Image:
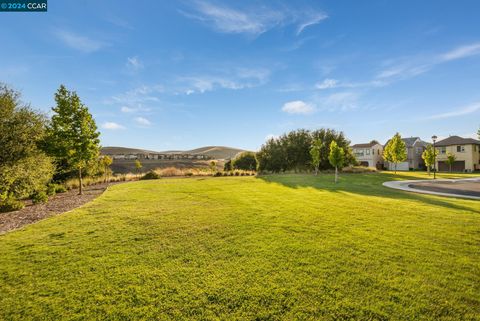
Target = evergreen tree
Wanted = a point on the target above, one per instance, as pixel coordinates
(396, 151)
(336, 157)
(245, 161)
(72, 135)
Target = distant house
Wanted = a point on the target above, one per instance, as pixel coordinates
(369, 155)
(466, 151)
(415, 147)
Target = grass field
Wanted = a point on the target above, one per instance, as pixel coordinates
(288, 247)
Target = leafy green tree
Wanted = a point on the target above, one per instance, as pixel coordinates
(24, 168)
(106, 161)
(429, 155)
(336, 157)
(396, 151)
(227, 167)
(245, 161)
(213, 166)
(73, 139)
(315, 154)
(138, 166)
(327, 136)
(272, 157)
(451, 158)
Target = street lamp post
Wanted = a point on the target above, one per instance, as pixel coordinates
(434, 138)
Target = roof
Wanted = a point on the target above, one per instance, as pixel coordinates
(410, 141)
(367, 145)
(457, 140)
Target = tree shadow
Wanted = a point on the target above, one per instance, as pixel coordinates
(368, 184)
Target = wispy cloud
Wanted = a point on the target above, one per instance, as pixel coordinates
(298, 107)
(112, 126)
(237, 79)
(327, 84)
(462, 52)
(137, 95)
(458, 112)
(313, 19)
(252, 21)
(142, 121)
(134, 64)
(79, 42)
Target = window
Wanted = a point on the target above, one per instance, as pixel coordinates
(442, 150)
(461, 149)
(368, 151)
(358, 152)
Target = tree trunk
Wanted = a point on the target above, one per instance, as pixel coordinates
(395, 168)
(316, 171)
(80, 181)
(336, 174)
(428, 170)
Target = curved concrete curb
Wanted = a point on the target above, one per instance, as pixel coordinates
(405, 186)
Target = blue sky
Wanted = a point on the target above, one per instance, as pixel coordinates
(182, 74)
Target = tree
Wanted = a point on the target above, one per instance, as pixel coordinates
(227, 167)
(336, 157)
(315, 154)
(72, 136)
(24, 168)
(429, 155)
(245, 161)
(138, 166)
(478, 133)
(395, 151)
(213, 166)
(451, 158)
(106, 161)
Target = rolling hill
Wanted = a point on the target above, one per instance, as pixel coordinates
(215, 152)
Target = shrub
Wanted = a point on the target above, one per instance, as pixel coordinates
(359, 169)
(51, 189)
(188, 174)
(237, 173)
(170, 171)
(39, 197)
(10, 204)
(225, 173)
(217, 174)
(150, 175)
(60, 189)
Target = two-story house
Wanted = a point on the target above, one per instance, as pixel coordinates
(466, 151)
(415, 147)
(369, 154)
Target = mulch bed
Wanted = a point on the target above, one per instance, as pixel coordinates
(57, 204)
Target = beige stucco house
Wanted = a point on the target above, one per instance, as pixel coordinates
(369, 154)
(415, 147)
(466, 151)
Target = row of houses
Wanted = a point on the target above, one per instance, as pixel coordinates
(466, 151)
(143, 156)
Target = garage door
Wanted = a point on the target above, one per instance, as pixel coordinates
(364, 164)
(458, 166)
(400, 166)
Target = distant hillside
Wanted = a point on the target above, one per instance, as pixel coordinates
(109, 150)
(216, 152)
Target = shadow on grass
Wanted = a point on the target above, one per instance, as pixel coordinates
(369, 184)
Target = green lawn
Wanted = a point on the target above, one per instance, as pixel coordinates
(288, 247)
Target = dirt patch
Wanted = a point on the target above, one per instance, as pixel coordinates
(57, 204)
(470, 188)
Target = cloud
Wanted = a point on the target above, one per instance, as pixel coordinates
(458, 112)
(314, 19)
(79, 42)
(270, 136)
(340, 101)
(137, 95)
(237, 79)
(298, 107)
(142, 121)
(112, 126)
(461, 52)
(253, 21)
(327, 83)
(134, 64)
